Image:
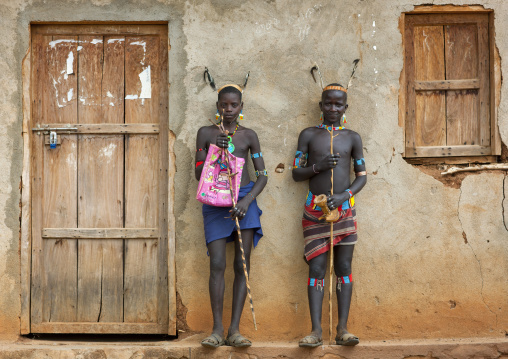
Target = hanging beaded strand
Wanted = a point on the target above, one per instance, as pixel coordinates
(231, 146)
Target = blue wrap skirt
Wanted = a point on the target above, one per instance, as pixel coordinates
(217, 226)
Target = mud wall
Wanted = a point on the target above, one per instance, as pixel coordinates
(431, 259)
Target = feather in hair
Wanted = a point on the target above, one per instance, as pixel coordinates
(355, 65)
(210, 78)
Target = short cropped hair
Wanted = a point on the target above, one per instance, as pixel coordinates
(229, 89)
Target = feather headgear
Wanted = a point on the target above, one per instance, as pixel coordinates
(212, 82)
(338, 88)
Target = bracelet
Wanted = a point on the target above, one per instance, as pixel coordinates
(350, 192)
(199, 163)
(263, 172)
(314, 169)
(252, 196)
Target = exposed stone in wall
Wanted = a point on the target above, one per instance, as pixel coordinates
(181, 313)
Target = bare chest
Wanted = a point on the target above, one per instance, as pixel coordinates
(238, 143)
(319, 146)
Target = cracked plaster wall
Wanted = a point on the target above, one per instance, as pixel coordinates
(414, 274)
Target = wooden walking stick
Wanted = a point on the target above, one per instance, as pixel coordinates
(330, 295)
(331, 217)
(244, 263)
(238, 231)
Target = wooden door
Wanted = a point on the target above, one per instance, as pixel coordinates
(99, 167)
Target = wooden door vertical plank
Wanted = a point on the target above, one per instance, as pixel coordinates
(165, 295)
(39, 77)
(113, 79)
(141, 180)
(60, 184)
(461, 49)
(60, 104)
(113, 112)
(100, 186)
(484, 123)
(90, 200)
(59, 211)
(90, 256)
(430, 114)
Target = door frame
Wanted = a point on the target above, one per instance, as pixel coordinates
(167, 163)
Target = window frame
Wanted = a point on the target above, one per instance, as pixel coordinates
(447, 154)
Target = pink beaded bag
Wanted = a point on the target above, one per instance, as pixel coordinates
(213, 188)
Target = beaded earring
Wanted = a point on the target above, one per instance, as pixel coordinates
(217, 116)
(241, 115)
(344, 118)
(321, 117)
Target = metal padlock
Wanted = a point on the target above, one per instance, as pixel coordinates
(53, 139)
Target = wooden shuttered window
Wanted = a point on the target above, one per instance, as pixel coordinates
(449, 79)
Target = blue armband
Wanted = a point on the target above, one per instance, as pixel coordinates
(300, 159)
(256, 155)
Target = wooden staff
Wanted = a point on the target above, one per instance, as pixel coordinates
(244, 263)
(331, 249)
(238, 231)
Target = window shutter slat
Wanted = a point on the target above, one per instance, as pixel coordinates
(430, 120)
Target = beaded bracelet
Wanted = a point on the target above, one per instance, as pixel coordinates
(350, 192)
(252, 196)
(263, 172)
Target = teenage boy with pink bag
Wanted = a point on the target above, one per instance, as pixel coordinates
(219, 219)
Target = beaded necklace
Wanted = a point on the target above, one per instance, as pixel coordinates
(231, 146)
(329, 128)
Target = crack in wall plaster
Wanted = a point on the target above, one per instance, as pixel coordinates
(386, 163)
(475, 256)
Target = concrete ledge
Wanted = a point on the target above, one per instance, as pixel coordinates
(191, 349)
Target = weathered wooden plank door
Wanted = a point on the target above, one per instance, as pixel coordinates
(100, 179)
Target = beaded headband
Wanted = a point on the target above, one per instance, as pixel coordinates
(230, 85)
(338, 88)
(212, 82)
